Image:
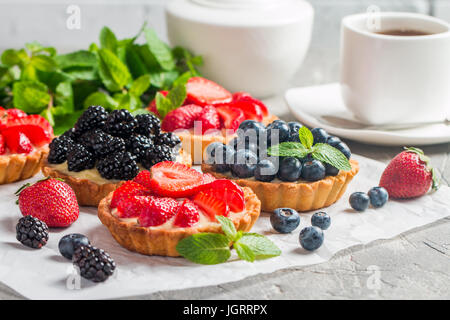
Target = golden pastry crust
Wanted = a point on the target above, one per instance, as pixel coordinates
(88, 192)
(301, 196)
(163, 242)
(16, 167)
(196, 144)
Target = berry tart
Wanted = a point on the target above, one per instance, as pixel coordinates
(23, 144)
(152, 213)
(105, 148)
(285, 164)
(217, 110)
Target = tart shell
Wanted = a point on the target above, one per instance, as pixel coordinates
(163, 242)
(191, 142)
(301, 196)
(88, 192)
(16, 167)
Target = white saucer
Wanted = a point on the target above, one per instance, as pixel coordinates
(322, 106)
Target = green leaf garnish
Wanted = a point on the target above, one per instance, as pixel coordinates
(173, 100)
(328, 154)
(260, 245)
(227, 227)
(306, 137)
(288, 149)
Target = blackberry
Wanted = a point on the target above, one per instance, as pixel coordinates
(168, 139)
(148, 124)
(94, 263)
(103, 144)
(119, 166)
(157, 154)
(79, 158)
(71, 133)
(85, 138)
(121, 123)
(137, 145)
(93, 118)
(59, 147)
(32, 232)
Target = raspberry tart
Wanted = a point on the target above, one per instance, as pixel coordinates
(215, 112)
(152, 213)
(285, 164)
(105, 148)
(23, 144)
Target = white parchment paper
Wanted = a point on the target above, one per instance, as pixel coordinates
(45, 274)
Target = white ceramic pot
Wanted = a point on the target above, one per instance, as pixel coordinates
(247, 45)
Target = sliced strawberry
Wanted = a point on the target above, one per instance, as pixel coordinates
(187, 214)
(2, 144)
(209, 118)
(152, 104)
(37, 128)
(129, 188)
(204, 92)
(33, 119)
(223, 184)
(241, 94)
(261, 105)
(173, 179)
(231, 117)
(181, 118)
(227, 191)
(15, 114)
(17, 141)
(158, 211)
(208, 178)
(251, 110)
(211, 205)
(133, 206)
(143, 178)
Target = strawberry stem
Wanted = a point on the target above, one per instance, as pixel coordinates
(427, 162)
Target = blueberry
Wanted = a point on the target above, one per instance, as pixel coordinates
(359, 201)
(321, 219)
(290, 169)
(313, 170)
(285, 220)
(220, 156)
(378, 196)
(311, 238)
(333, 141)
(342, 147)
(294, 127)
(265, 171)
(70, 242)
(277, 132)
(211, 151)
(245, 142)
(330, 170)
(244, 163)
(320, 135)
(247, 125)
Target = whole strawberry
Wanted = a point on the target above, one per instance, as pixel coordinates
(408, 175)
(50, 200)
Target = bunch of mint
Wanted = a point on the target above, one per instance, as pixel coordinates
(214, 248)
(319, 151)
(115, 74)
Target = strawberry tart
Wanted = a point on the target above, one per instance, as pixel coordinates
(158, 208)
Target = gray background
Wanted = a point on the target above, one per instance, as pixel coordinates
(414, 265)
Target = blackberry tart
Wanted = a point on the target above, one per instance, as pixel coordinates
(104, 148)
(285, 164)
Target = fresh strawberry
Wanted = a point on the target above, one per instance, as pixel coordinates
(240, 94)
(207, 178)
(2, 144)
(15, 114)
(231, 117)
(181, 118)
(209, 119)
(35, 127)
(223, 184)
(17, 141)
(152, 104)
(261, 105)
(143, 178)
(212, 206)
(35, 120)
(251, 110)
(187, 214)
(227, 191)
(408, 175)
(129, 188)
(205, 92)
(132, 206)
(50, 200)
(158, 211)
(173, 179)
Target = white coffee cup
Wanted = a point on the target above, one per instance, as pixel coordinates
(395, 78)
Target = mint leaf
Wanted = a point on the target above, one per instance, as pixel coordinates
(261, 246)
(81, 58)
(306, 137)
(227, 227)
(328, 154)
(160, 50)
(30, 96)
(11, 57)
(173, 100)
(182, 79)
(288, 149)
(29, 73)
(134, 61)
(163, 80)
(244, 252)
(100, 99)
(128, 101)
(140, 85)
(205, 248)
(63, 99)
(113, 72)
(43, 63)
(108, 40)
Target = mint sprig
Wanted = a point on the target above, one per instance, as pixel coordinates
(214, 248)
(173, 100)
(319, 151)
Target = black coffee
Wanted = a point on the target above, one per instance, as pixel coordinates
(404, 32)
